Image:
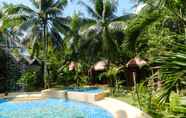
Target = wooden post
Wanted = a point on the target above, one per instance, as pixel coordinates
(136, 89)
(134, 78)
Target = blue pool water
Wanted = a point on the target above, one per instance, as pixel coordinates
(86, 90)
(51, 108)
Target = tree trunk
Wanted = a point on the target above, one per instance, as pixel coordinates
(45, 72)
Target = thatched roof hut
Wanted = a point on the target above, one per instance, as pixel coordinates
(101, 65)
(72, 66)
(136, 62)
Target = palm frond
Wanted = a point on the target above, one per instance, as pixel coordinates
(60, 4)
(110, 7)
(26, 25)
(35, 3)
(90, 10)
(56, 39)
(173, 66)
(124, 17)
(117, 26)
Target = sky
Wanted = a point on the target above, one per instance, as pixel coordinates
(125, 6)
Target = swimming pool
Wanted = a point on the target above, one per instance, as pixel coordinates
(51, 108)
(86, 89)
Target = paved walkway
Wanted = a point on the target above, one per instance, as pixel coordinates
(120, 109)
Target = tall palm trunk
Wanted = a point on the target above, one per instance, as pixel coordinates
(45, 72)
(108, 43)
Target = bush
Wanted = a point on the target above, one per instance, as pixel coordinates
(28, 81)
(77, 77)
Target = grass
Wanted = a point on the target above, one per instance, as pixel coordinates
(128, 98)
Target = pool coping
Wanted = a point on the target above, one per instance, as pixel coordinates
(120, 109)
(117, 108)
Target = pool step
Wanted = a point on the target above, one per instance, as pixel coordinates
(26, 99)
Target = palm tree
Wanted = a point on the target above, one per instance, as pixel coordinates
(41, 22)
(177, 7)
(100, 34)
(72, 36)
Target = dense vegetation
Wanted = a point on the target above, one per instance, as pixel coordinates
(62, 51)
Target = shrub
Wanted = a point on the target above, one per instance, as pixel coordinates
(28, 81)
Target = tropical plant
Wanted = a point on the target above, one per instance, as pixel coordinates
(112, 74)
(173, 68)
(101, 30)
(72, 37)
(176, 7)
(166, 29)
(42, 22)
(155, 27)
(150, 102)
(139, 32)
(28, 81)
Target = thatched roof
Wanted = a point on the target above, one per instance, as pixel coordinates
(136, 62)
(101, 65)
(72, 66)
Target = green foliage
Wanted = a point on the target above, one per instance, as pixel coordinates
(149, 98)
(65, 77)
(176, 106)
(157, 27)
(156, 32)
(173, 69)
(136, 28)
(99, 38)
(43, 23)
(77, 77)
(115, 81)
(28, 81)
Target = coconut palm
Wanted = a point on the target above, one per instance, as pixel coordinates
(99, 36)
(42, 21)
(72, 37)
(177, 7)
